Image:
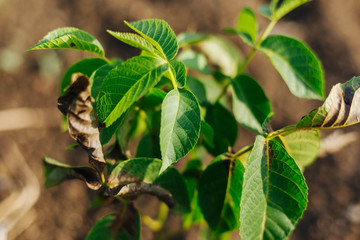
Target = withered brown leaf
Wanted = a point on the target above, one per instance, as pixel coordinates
(81, 118)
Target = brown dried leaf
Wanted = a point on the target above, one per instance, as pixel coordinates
(81, 118)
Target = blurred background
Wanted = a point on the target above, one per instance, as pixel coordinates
(30, 121)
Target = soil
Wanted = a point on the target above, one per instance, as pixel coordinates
(31, 79)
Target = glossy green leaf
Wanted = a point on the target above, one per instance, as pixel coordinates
(246, 26)
(180, 125)
(188, 38)
(174, 182)
(220, 188)
(70, 37)
(297, 64)
(250, 104)
(134, 40)
(56, 172)
(280, 8)
(195, 61)
(125, 84)
(159, 34)
(225, 128)
(340, 109)
(85, 66)
(303, 145)
(133, 170)
(179, 71)
(124, 224)
(274, 193)
(223, 54)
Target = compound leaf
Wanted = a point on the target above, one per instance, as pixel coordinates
(340, 109)
(159, 34)
(124, 224)
(125, 84)
(250, 104)
(274, 193)
(180, 125)
(220, 188)
(56, 172)
(70, 37)
(297, 64)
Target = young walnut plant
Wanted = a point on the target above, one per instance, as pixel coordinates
(259, 190)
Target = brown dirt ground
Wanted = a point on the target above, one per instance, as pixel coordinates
(30, 79)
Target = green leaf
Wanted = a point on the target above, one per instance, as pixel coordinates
(340, 109)
(135, 40)
(220, 188)
(195, 61)
(280, 8)
(297, 64)
(134, 170)
(246, 26)
(149, 146)
(179, 72)
(106, 133)
(198, 89)
(70, 37)
(223, 54)
(303, 145)
(125, 84)
(180, 125)
(174, 182)
(265, 10)
(250, 104)
(188, 38)
(121, 225)
(56, 172)
(85, 66)
(159, 34)
(207, 133)
(97, 79)
(274, 193)
(225, 128)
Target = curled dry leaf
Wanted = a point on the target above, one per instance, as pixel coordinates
(341, 108)
(81, 118)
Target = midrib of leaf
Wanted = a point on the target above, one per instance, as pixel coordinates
(174, 123)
